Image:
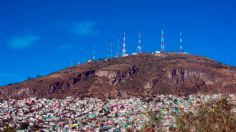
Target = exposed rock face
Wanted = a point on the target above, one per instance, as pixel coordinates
(138, 75)
(116, 73)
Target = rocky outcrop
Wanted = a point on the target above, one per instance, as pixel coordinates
(137, 75)
(117, 73)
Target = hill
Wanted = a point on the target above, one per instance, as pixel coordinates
(136, 75)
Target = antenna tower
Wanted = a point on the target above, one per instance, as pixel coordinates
(124, 46)
(162, 41)
(139, 48)
(181, 43)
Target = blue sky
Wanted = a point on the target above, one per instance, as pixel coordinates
(38, 37)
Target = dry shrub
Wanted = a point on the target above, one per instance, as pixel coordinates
(9, 129)
(213, 116)
(154, 120)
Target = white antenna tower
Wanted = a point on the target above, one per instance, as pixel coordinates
(124, 46)
(94, 52)
(118, 48)
(139, 48)
(181, 43)
(108, 52)
(162, 41)
(111, 50)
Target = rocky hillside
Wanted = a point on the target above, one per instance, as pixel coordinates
(137, 75)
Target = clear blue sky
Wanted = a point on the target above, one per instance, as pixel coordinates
(38, 37)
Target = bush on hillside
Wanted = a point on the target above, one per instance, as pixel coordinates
(213, 116)
(154, 121)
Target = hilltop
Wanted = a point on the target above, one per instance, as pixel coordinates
(132, 76)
